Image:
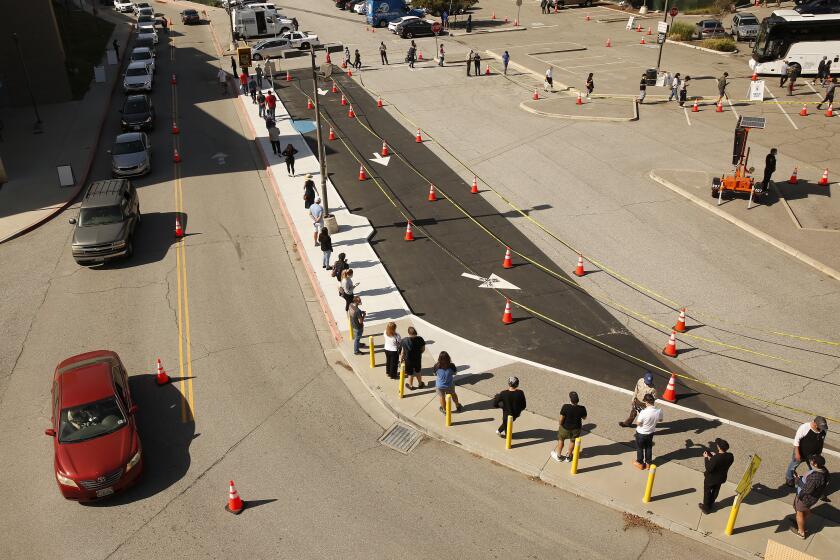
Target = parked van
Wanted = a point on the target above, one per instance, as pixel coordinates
(252, 21)
(382, 12)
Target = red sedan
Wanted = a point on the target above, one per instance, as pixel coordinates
(97, 449)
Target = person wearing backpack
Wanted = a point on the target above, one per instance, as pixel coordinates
(340, 266)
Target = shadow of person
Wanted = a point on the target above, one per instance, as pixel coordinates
(696, 425)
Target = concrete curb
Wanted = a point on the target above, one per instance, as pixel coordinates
(784, 247)
(524, 106)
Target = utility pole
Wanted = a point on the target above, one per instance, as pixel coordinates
(37, 129)
(230, 20)
(321, 155)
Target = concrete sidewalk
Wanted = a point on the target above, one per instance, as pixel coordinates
(484, 369)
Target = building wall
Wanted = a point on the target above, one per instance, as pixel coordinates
(43, 54)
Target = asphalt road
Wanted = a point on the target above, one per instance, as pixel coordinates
(261, 404)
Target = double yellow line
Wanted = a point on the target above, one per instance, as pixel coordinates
(185, 385)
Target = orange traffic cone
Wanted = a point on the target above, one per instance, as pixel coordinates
(536, 95)
(309, 104)
(379, 102)
(350, 113)
(587, 17)
(176, 157)
(328, 60)
(824, 179)
(409, 233)
(794, 178)
(175, 129)
(362, 174)
(830, 111)
(719, 106)
(344, 64)
(474, 188)
(579, 100)
(343, 99)
(288, 76)
(332, 134)
(754, 77)
(695, 108)
(507, 316)
(174, 80)
(650, 31)
(235, 504)
(419, 55)
(384, 149)
(494, 15)
(418, 138)
(432, 193)
(349, 72)
(161, 378)
(639, 28)
(507, 263)
(179, 231)
(609, 43)
(804, 111)
(334, 88)
(671, 349)
(487, 70)
(680, 326)
(642, 42)
(579, 271)
(670, 393)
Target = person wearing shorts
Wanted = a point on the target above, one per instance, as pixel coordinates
(572, 416)
(316, 214)
(445, 381)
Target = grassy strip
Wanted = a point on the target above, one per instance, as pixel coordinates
(85, 38)
(681, 31)
(723, 45)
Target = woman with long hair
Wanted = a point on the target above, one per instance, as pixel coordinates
(445, 381)
(392, 350)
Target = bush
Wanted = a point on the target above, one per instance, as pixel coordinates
(437, 7)
(681, 31)
(723, 45)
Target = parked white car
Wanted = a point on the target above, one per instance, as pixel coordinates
(138, 77)
(392, 25)
(301, 39)
(124, 5)
(270, 48)
(143, 54)
(360, 8)
(147, 33)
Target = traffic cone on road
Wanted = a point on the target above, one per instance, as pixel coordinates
(507, 263)
(794, 178)
(161, 378)
(639, 28)
(609, 43)
(349, 72)
(494, 15)
(804, 111)
(474, 188)
(175, 129)
(362, 174)
(579, 271)
(235, 504)
(288, 76)
(754, 77)
(507, 316)
(671, 348)
(179, 231)
(334, 88)
(409, 233)
(487, 70)
(650, 31)
(432, 193)
(670, 393)
(824, 179)
(176, 157)
(328, 60)
(587, 17)
(344, 64)
(418, 138)
(830, 111)
(536, 95)
(332, 134)
(350, 113)
(719, 106)
(579, 100)
(379, 102)
(419, 55)
(695, 108)
(174, 79)
(384, 149)
(642, 42)
(680, 326)
(343, 100)
(309, 104)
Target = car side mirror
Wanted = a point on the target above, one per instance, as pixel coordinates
(72, 221)
(49, 432)
(133, 409)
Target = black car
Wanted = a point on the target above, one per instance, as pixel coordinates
(137, 113)
(416, 28)
(818, 7)
(190, 17)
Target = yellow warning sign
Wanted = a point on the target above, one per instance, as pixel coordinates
(745, 485)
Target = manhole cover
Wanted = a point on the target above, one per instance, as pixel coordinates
(401, 438)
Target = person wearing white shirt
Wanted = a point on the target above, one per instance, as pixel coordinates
(392, 350)
(645, 426)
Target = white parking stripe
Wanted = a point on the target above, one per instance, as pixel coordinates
(688, 120)
(782, 109)
(732, 107)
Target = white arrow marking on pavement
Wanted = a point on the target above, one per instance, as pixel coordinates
(379, 159)
(492, 282)
(323, 91)
(219, 157)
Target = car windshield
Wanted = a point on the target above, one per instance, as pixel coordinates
(132, 147)
(144, 19)
(141, 71)
(134, 106)
(141, 56)
(748, 21)
(90, 420)
(190, 13)
(100, 216)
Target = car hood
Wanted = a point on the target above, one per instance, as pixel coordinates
(96, 457)
(129, 160)
(134, 80)
(95, 235)
(136, 117)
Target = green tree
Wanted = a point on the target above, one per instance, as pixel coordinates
(437, 7)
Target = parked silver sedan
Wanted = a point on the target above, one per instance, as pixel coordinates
(131, 155)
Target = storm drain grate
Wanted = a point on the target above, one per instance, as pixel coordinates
(401, 438)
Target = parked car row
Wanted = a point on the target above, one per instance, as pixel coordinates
(743, 26)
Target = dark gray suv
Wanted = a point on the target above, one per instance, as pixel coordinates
(108, 216)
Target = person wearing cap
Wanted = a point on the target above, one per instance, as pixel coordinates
(571, 423)
(646, 422)
(512, 401)
(316, 213)
(644, 386)
(809, 440)
(717, 466)
(809, 488)
(308, 190)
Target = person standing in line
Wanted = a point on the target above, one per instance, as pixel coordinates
(268, 72)
(675, 87)
(820, 72)
(469, 61)
(721, 84)
(295, 23)
(827, 72)
(829, 93)
(512, 402)
(347, 288)
(784, 73)
(346, 56)
(116, 46)
(252, 89)
(357, 60)
(444, 19)
(274, 138)
(269, 123)
(717, 466)
(572, 416)
(794, 70)
(325, 241)
(684, 90)
(271, 104)
(769, 168)
(642, 89)
(411, 352)
(308, 191)
(243, 82)
(357, 321)
(289, 155)
(392, 350)
(261, 103)
(590, 85)
(477, 63)
(809, 440)
(469, 23)
(383, 52)
(316, 214)
(549, 80)
(505, 61)
(259, 72)
(809, 488)
(233, 66)
(645, 426)
(441, 54)
(412, 50)
(222, 76)
(340, 266)
(543, 5)
(644, 386)
(445, 381)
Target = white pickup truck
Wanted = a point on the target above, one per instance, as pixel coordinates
(301, 39)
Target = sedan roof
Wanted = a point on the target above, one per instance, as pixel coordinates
(128, 137)
(87, 383)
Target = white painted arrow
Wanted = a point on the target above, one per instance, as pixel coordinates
(323, 91)
(377, 158)
(219, 157)
(492, 282)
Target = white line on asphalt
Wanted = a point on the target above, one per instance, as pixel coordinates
(685, 110)
(594, 65)
(731, 106)
(782, 109)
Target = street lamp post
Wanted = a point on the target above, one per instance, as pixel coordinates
(321, 155)
(37, 129)
(230, 20)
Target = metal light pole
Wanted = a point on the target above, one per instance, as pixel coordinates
(230, 20)
(662, 44)
(321, 155)
(37, 129)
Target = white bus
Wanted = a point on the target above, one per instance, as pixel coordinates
(801, 39)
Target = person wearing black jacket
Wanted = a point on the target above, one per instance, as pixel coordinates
(717, 467)
(512, 402)
(769, 168)
(325, 241)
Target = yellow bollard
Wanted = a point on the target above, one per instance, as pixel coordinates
(350, 324)
(649, 487)
(448, 410)
(402, 380)
(509, 433)
(372, 353)
(575, 455)
(730, 525)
